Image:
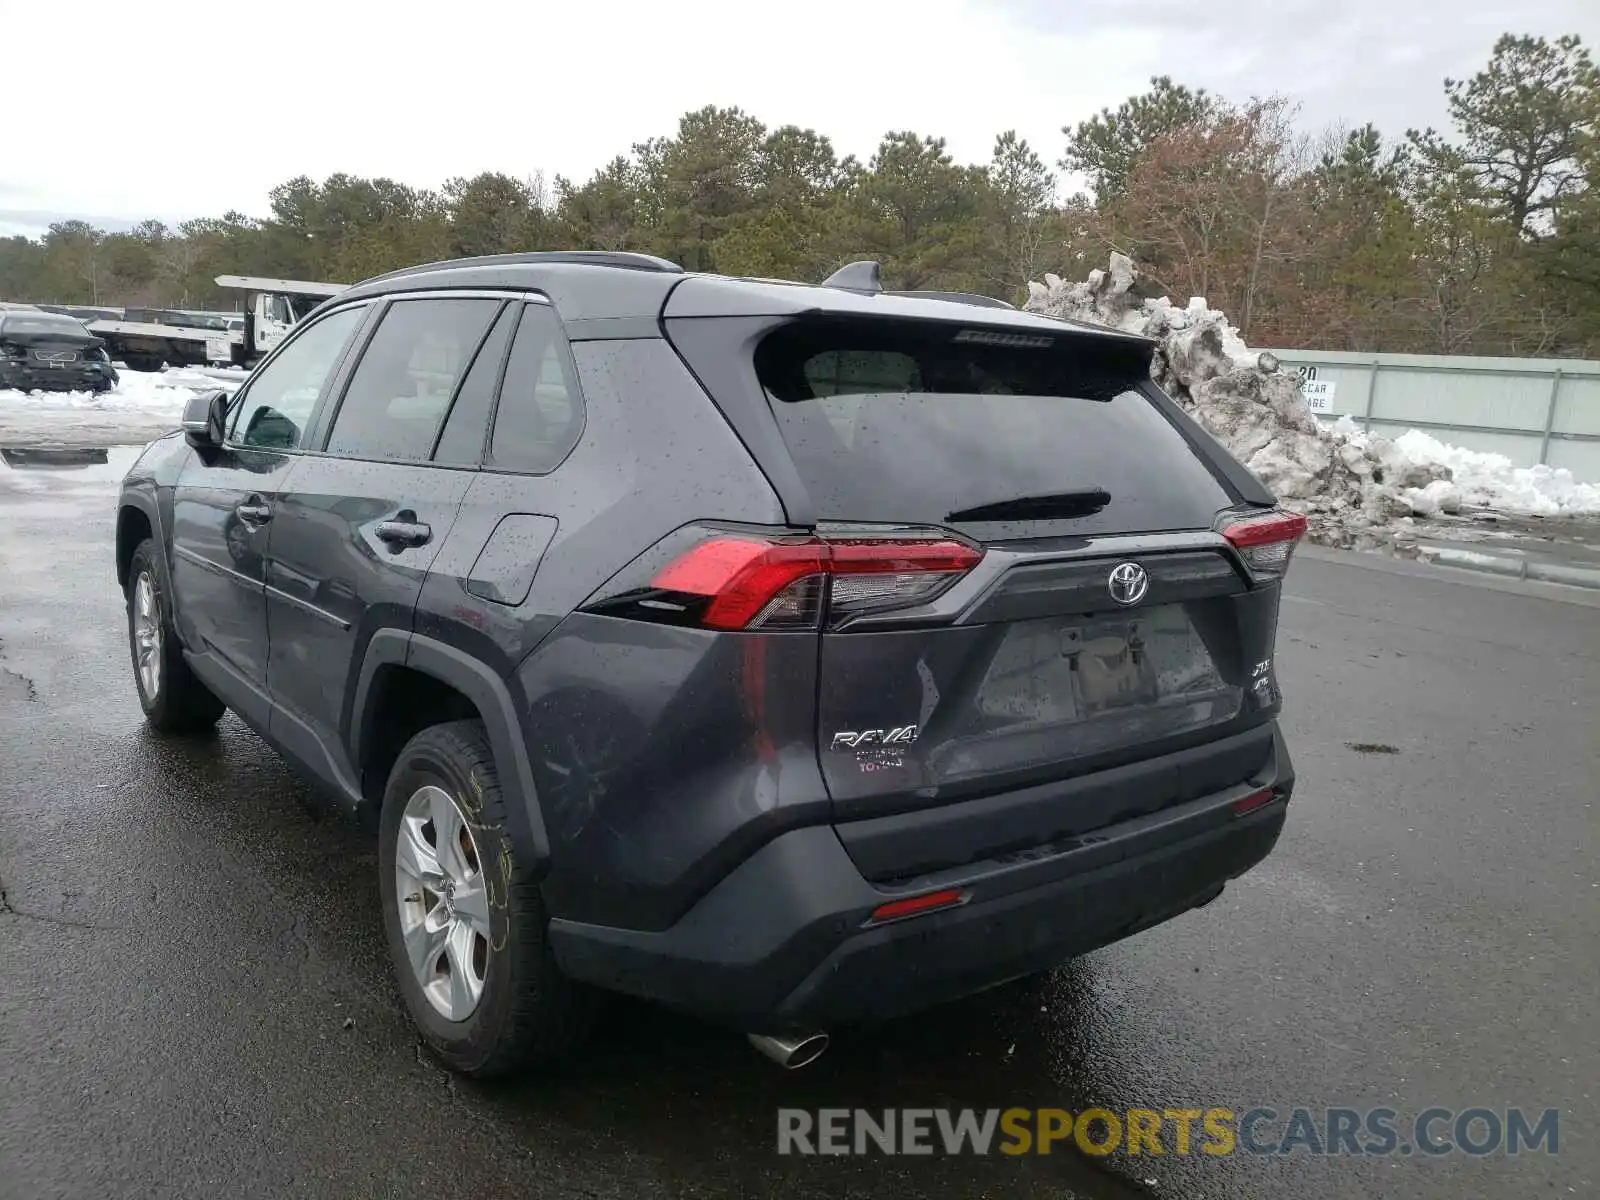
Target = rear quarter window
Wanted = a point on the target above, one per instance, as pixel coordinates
(541, 412)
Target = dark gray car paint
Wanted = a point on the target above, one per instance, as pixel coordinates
(505, 568)
(701, 296)
(332, 581)
(218, 553)
(653, 457)
(643, 762)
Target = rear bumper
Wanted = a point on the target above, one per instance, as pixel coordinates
(782, 942)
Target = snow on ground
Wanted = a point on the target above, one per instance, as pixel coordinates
(163, 392)
(1355, 490)
(143, 405)
(1482, 479)
(1473, 557)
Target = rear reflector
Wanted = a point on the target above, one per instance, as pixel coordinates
(913, 905)
(1255, 800)
(756, 583)
(1266, 541)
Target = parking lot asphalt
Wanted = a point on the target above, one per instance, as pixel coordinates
(194, 999)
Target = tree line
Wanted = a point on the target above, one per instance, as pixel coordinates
(1484, 238)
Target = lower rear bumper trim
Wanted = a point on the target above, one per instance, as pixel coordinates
(783, 942)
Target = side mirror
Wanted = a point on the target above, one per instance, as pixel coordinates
(205, 418)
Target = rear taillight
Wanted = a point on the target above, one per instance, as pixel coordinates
(755, 581)
(1265, 542)
(744, 583)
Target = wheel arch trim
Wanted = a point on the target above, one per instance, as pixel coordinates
(146, 507)
(492, 698)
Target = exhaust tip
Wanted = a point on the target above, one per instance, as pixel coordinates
(791, 1053)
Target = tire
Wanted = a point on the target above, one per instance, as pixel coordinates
(525, 1011)
(173, 699)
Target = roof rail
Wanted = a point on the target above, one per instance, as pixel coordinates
(860, 276)
(592, 258)
(956, 297)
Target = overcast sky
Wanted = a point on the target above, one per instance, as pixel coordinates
(180, 109)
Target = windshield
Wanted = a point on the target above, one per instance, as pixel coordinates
(915, 424)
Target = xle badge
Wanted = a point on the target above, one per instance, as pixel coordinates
(876, 749)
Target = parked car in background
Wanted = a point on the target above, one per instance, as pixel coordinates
(788, 654)
(50, 351)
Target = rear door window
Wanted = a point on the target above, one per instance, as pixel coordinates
(466, 429)
(934, 424)
(398, 395)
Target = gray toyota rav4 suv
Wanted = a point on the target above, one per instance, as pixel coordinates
(792, 655)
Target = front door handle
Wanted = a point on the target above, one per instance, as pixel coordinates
(400, 534)
(254, 511)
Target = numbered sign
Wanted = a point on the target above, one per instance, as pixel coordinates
(1318, 393)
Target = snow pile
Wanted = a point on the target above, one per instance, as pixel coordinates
(163, 393)
(1488, 480)
(1354, 490)
(143, 405)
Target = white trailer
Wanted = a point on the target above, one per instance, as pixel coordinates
(270, 308)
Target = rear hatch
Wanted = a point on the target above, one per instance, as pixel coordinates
(1026, 584)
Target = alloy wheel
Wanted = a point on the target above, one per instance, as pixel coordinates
(147, 634)
(444, 902)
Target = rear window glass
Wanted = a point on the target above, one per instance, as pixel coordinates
(40, 323)
(939, 424)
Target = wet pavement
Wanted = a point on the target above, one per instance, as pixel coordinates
(1553, 549)
(194, 999)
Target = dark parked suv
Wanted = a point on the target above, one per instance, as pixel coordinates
(792, 655)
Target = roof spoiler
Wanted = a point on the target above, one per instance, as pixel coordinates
(957, 298)
(866, 278)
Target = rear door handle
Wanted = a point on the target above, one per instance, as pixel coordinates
(399, 534)
(254, 511)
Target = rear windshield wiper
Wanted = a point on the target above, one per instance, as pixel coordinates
(1083, 502)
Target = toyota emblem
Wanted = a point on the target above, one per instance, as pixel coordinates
(1128, 583)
